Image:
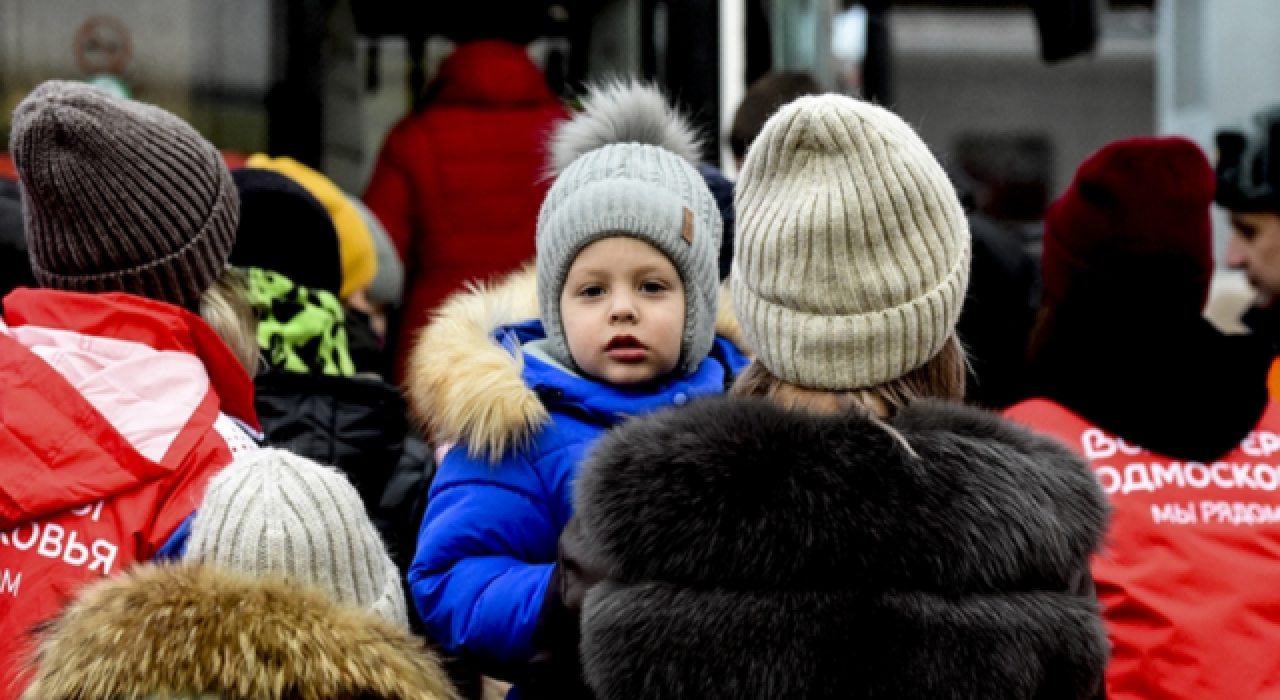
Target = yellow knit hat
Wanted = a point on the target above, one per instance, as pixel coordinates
(359, 257)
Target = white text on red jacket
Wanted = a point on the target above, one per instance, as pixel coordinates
(1126, 469)
(57, 541)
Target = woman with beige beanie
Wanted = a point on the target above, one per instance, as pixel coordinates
(843, 527)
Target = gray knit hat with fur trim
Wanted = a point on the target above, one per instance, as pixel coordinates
(273, 512)
(627, 166)
(120, 196)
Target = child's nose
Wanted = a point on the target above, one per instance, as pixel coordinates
(623, 309)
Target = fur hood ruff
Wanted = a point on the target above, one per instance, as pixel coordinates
(464, 387)
(195, 631)
(752, 551)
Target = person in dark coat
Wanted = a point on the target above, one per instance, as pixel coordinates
(1174, 418)
(999, 312)
(999, 308)
(841, 526)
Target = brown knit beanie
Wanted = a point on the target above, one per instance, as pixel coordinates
(120, 196)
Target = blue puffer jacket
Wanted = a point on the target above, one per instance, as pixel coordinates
(488, 542)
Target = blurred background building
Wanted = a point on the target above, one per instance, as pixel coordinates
(1014, 95)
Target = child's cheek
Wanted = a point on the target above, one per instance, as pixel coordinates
(579, 330)
(673, 327)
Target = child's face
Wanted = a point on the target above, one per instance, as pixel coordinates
(623, 311)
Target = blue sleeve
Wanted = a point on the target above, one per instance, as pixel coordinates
(485, 555)
(176, 546)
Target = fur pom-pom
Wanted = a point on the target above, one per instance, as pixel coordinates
(621, 111)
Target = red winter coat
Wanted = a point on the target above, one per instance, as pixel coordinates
(458, 185)
(115, 412)
(1189, 575)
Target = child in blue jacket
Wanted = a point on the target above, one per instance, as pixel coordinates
(624, 322)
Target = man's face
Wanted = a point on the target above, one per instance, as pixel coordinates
(1255, 248)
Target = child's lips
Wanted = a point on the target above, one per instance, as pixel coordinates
(628, 355)
(626, 349)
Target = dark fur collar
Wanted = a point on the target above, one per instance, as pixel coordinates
(743, 494)
(758, 552)
(189, 631)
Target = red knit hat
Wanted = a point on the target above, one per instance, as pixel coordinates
(1134, 223)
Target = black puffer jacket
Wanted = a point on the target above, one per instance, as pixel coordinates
(749, 551)
(359, 426)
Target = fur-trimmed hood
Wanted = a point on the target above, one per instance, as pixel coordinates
(196, 631)
(465, 387)
(757, 552)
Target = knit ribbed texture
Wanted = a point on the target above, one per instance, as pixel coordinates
(120, 196)
(641, 191)
(273, 512)
(852, 255)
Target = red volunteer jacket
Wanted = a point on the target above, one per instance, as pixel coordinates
(458, 185)
(1189, 577)
(114, 414)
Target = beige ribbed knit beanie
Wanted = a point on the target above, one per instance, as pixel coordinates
(852, 254)
(273, 512)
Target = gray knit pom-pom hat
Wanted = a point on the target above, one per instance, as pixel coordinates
(273, 512)
(852, 252)
(120, 196)
(626, 166)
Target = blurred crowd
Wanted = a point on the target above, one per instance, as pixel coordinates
(556, 410)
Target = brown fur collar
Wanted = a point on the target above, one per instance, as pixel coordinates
(463, 387)
(190, 630)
